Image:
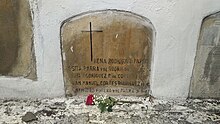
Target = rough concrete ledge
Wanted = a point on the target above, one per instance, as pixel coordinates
(74, 111)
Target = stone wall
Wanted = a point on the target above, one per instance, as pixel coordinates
(177, 25)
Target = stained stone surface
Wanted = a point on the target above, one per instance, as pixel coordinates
(206, 73)
(107, 52)
(74, 111)
(16, 51)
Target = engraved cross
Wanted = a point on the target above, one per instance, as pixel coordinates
(91, 38)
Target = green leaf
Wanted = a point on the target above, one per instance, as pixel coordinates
(109, 109)
(102, 106)
(106, 104)
(107, 101)
(112, 99)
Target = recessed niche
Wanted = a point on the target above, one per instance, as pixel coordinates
(16, 44)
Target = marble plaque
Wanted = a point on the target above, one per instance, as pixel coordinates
(206, 74)
(107, 52)
(16, 45)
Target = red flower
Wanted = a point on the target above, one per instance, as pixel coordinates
(89, 100)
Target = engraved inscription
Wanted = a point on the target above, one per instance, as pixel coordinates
(107, 52)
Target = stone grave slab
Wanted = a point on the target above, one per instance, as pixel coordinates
(16, 44)
(206, 74)
(107, 52)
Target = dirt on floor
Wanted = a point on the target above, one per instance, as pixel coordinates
(136, 111)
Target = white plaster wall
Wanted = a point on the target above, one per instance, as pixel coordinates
(177, 23)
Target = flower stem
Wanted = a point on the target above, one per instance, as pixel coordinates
(131, 102)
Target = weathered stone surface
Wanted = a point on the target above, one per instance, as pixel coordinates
(16, 51)
(28, 117)
(178, 112)
(206, 74)
(114, 58)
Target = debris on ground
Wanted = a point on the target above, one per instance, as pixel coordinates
(138, 111)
